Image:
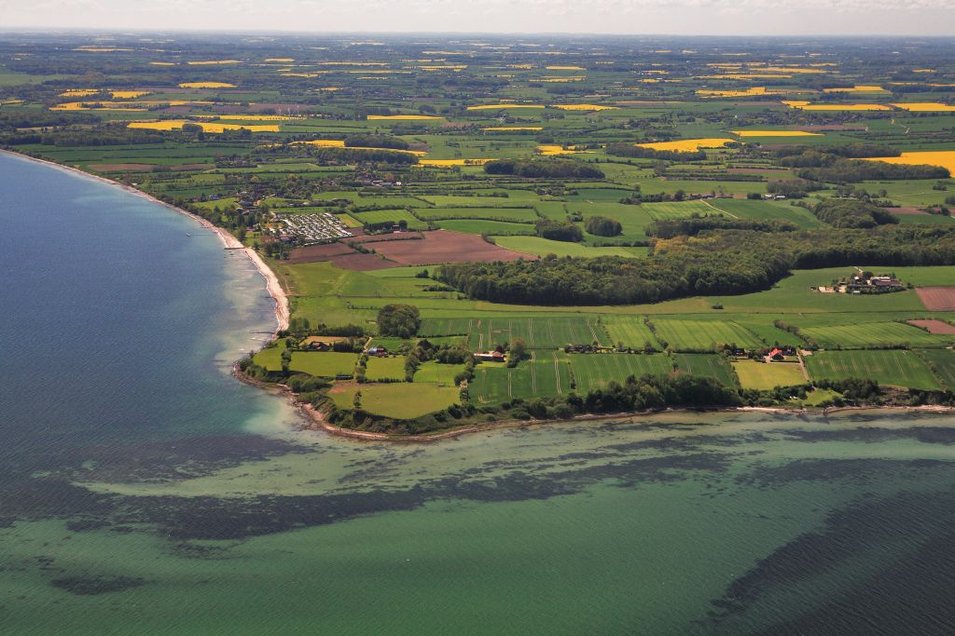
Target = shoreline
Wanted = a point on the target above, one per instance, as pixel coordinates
(272, 285)
(316, 421)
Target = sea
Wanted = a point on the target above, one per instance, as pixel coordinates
(143, 490)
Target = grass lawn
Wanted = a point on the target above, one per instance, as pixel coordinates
(398, 400)
(765, 376)
(385, 369)
(270, 358)
(324, 364)
(436, 373)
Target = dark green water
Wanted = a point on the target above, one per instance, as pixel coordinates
(142, 490)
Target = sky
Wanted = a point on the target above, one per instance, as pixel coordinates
(637, 17)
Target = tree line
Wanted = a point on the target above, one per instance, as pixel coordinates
(711, 263)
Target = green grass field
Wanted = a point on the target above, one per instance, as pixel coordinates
(706, 365)
(547, 374)
(703, 335)
(434, 373)
(382, 216)
(270, 358)
(397, 400)
(892, 367)
(632, 331)
(385, 369)
(765, 376)
(766, 210)
(596, 370)
(323, 364)
(942, 364)
(874, 334)
(537, 332)
(497, 228)
(542, 247)
(514, 215)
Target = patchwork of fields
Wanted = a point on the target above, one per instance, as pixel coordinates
(434, 153)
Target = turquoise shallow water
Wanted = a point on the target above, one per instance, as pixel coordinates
(143, 490)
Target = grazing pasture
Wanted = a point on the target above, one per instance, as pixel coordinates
(324, 364)
(768, 375)
(391, 368)
(398, 400)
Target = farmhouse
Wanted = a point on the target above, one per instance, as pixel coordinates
(863, 282)
(490, 356)
(320, 343)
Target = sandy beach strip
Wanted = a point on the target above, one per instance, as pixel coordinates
(272, 284)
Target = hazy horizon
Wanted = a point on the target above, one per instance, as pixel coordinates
(745, 18)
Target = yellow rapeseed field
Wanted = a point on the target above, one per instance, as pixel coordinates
(774, 133)
(79, 92)
(564, 68)
(749, 92)
(943, 158)
(858, 88)
(206, 84)
(280, 60)
(511, 128)
(209, 127)
(325, 143)
(688, 145)
(504, 106)
(835, 107)
(128, 94)
(587, 107)
(926, 107)
(549, 150)
(403, 117)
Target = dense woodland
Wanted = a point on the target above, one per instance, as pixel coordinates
(711, 263)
